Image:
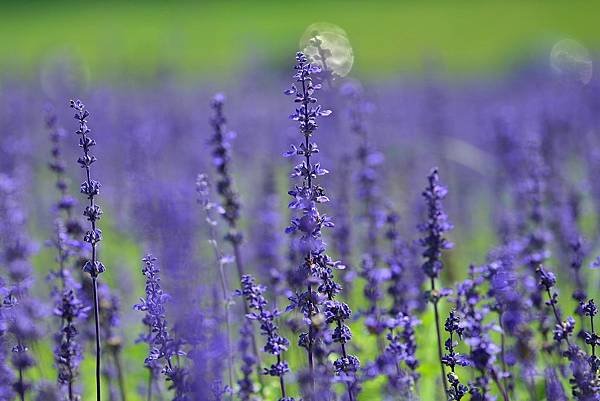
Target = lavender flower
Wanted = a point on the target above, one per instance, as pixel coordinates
(225, 188)
(317, 268)
(563, 328)
(514, 307)
(590, 337)
(6, 374)
(25, 312)
(246, 387)
(578, 254)
(368, 162)
(475, 332)
(68, 307)
(398, 361)
(404, 281)
(66, 203)
(434, 228)
(342, 236)
(434, 242)
(554, 388)
(268, 242)
(90, 188)
(68, 354)
(451, 359)
(317, 385)
(537, 237)
(368, 193)
(204, 193)
(46, 391)
(584, 383)
(221, 159)
(163, 348)
(275, 343)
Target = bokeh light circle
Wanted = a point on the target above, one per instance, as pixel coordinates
(327, 45)
(570, 60)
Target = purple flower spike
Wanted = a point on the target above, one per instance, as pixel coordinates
(164, 349)
(90, 188)
(434, 243)
(436, 225)
(275, 344)
(316, 270)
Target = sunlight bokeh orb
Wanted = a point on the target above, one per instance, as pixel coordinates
(570, 60)
(328, 46)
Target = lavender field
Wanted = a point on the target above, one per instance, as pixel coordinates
(298, 233)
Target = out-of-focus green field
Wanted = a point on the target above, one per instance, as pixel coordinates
(140, 38)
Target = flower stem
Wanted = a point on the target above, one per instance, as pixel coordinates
(97, 328)
(120, 378)
(502, 389)
(439, 338)
(150, 382)
(21, 385)
(593, 332)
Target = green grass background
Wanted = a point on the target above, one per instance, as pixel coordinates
(140, 38)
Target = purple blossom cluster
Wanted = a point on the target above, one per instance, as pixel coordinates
(164, 350)
(317, 269)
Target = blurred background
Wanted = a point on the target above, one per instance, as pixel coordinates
(191, 39)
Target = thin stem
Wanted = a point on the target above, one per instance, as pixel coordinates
(71, 380)
(556, 314)
(120, 378)
(502, 389)
(85, 143)
(97, 328)
(150, 382)
(228, 195)
(224, 292)
(344, 353)
(281, 380)
(21, 385)
(309, 185)
(310, 341)
(70, 389)
(439, 338)
(593, 332)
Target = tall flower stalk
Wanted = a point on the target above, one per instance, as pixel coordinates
(91, 188)
(25, 312)
(68, 351)
(204, 193)
(452, 358)
(317, 268)
(275, 343)
(368, 160)
(590, 336)
(434, 228)
(163, 347)
(268, 241)
(68, 307)
(66, 203)
(110, 321)
(6, 374)
(230, 205)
